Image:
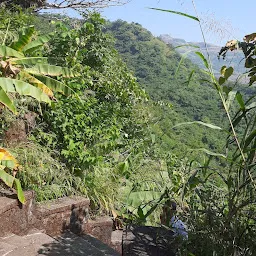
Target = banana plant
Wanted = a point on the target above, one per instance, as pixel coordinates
(28, 75)
(8, 162)
(24, 74)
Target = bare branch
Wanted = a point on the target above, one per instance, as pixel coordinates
(81, 4)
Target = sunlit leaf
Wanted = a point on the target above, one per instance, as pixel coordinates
(6, 155)
(186, 45)
(23, 88)
(199, 122)
(39, 42)
(6, 51)
(6, 178)
(55, 85)
(240, 100)
(208, 152)
(179, 13)
(139, 198)
(223, 69)
(32, 80)
(20, 193)
(50, 70)
(203, 59)
(24, 39)
(230, 99)
(228, 72)
(29, 61)
(5, 100)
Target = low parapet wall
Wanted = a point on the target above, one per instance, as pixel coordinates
(66, 213)
(14, 217)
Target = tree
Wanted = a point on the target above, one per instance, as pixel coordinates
(74, 4)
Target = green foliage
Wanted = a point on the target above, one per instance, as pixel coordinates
(223, 202)
(9, 163)
(23, 75)
(155, 65)
(44, 174)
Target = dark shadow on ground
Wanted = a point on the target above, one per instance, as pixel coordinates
(70, 244)
(148, 241)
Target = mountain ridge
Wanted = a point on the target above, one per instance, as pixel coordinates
(232, 58)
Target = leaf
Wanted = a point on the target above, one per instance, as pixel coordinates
(20, 193)
(55, 85)
(6, 178)
(228, 72)
(203, 58)
(251, 106)
(8, 163)
(180, 62)
(123, 167)
(222, 80)
(190, 77)
(179, 13)
(39, 42)
(240, 100)
(50, 70)
(29, 61)
(208, 152)
(32, 80)
(140, 213)
(5, 100)
(201, 123)
(186, 45)
(6, 155)
(9, 180)
(6, 51)
(249, 139)
(139, 198)
(230, 99)
(227, 89)
(23, 88)
(24, 39)
(222, 71)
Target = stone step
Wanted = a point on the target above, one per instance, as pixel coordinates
(84, 245)
(28, 245)
(116, 240)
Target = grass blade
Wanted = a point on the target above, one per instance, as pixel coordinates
(201, 123)
(179, 13)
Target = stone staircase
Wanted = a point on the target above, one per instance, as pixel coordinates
(58, 227)
(64, 227)
(67, 244)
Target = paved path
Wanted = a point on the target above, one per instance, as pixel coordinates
(38, 243)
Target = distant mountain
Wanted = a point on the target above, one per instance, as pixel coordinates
(234, 59)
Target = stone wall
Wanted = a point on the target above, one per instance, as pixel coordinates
(53, 218)
(15, 217)
(66, 213)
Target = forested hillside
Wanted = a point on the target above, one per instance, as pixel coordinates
(166, 77)
(105, 110)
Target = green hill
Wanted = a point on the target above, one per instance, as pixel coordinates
(159, 71)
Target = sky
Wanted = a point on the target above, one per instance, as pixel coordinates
(222, 20)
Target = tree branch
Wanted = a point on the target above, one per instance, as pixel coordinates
(81, 4)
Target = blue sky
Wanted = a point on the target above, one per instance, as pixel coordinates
(233, 18)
